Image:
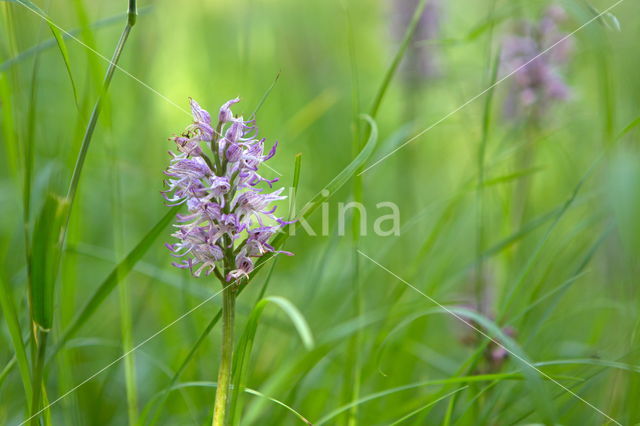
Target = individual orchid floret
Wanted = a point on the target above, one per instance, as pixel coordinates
(225, 114)
(201, 122)
(230, 218)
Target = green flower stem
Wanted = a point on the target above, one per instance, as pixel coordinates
(224, 372)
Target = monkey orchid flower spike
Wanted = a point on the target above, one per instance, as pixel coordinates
(226, 209)
(230, 214)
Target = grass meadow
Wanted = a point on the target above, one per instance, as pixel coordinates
(467, 243)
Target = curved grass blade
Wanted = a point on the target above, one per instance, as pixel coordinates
(334, 185)
(245, 346)
(62, 46)
(113, 279)
(424, 407)
(287, 376)
(213, 385)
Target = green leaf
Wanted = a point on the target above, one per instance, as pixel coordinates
(45, 259)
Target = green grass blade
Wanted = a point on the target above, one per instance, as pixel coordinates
(533, 376)
(592, 361)
(265, 96)
(6, 370)
(174, 379)
(479, 282)
(45, 260)
(411, 29)
(297, 167)
(245, 346)
(424, 407)
(557, 294)
(512, 289)
(512, 176)
(247, 390)
(454, 380)
(62, 46)
(334, 185)
(113, 279)
(282, 404)
(287, 376)
(48, 44)
(11, 319)
(493, 330)
(44, 267)
(8, 125)
(635, 123)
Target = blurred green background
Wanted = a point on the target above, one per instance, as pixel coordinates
(558, 288)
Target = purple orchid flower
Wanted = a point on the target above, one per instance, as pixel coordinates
(229, 219)
(538, 83)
